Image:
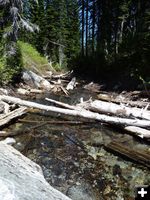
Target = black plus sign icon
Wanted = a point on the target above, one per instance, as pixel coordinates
(142, 192)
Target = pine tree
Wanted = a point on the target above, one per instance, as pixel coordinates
(73, 32)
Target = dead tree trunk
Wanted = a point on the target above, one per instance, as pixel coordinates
(79, 113)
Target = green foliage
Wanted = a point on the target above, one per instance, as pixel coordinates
(11, 21)
(2, 64)
(32, 59)
(114, 35)
(11, 65)
(58, 37)
(116, 39)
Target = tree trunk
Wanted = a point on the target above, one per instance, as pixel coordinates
(83, 7)
(93, 27)
(121, 30)
(87, 25)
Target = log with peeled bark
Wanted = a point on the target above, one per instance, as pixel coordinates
(123, 100)
(112, 108)
(65, 75)
(79, 113)
(63, 104)
(105, 107)
(4, 119)
(140, 132)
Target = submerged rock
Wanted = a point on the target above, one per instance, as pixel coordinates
(9, 141)
(81, 191)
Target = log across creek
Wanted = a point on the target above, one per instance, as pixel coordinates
(79, 113)
(139, 127)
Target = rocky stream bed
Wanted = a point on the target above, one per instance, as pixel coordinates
(73, 157)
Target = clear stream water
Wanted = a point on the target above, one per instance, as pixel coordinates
(72, 156)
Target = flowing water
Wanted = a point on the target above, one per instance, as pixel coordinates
(73, 157)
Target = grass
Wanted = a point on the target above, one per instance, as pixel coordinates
(2, 63)
(29, 58)
(32, 60)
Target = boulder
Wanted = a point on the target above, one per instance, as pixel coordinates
(34, 80)
(22, 179)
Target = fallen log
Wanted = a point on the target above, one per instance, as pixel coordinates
(112, 108)
(118, 100)
(137, 156)
(79, 113)
(12, 115)
(54, 122)
(65, 75)
(20, 178)
(105, 107)
(64, 105)
(141, 132)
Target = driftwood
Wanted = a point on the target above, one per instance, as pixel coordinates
(123, 100)
(112, 108)
(4, 119)
(107, 108)
(138, 156)
(141, 132)
(64, 105)
(65, 75)
(49, 76)
(79, 113)
(53, 122)
(4, 107)
(71, 84)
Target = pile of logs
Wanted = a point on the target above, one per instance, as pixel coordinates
(10, 112)
(131, 116)
(38, 83)
(134, 120)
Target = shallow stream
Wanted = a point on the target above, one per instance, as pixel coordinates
(72, 156)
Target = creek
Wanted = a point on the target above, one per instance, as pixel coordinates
(73, 157)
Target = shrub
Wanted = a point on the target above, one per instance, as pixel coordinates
(10, 63)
